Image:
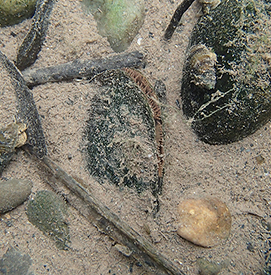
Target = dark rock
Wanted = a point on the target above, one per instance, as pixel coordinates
(14, 11)
(210, 268)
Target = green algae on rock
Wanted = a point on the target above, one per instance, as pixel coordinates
(207, 267)
(118, 20)
(13, 192)
(238, 36)
(15, 11)
(48, 212)
(121, 135)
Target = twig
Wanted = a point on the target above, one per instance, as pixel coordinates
(104, 220)
(81, 68)
(181, 9)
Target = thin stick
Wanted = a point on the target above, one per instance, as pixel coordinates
(81, 68)
(181, 9)
(92, 209)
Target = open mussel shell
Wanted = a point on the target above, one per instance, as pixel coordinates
(226, 81)
(121, 134)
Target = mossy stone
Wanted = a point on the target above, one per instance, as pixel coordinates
(239, 33)
(207, 267)
(13, 192)
(118, 20)
(15, 11)
(48, 212)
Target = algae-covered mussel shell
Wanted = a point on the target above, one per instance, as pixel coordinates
(226, 81)
(17, 103)
(122, 133)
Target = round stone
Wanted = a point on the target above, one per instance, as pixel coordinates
(13, 192)
(205, 222)
(15, 11)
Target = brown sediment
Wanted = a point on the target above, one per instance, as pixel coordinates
(151, 97)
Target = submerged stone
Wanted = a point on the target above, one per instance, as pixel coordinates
(207, 267)
(15, 11)
(205, 222)
(13, 193)
(15, 263)
(124, 133)
(48, 212)
(118, 20)
(226, 82)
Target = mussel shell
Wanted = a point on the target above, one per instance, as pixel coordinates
(17, 103)
(5, 158)
(8, 140)
(120, 134)
(238, 32)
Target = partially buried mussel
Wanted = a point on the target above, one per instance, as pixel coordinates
(17, 102)
(207, 5)
(124, 132)
(226, 82)
(11, 137)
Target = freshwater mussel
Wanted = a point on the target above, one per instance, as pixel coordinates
(124, 132)
(226, 80)
(17, 104)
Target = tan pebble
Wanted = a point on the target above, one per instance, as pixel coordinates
(13, 192)
(205, 222)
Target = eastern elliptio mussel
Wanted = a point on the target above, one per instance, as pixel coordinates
(124, 138)
(231, 99)
(17, 102)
